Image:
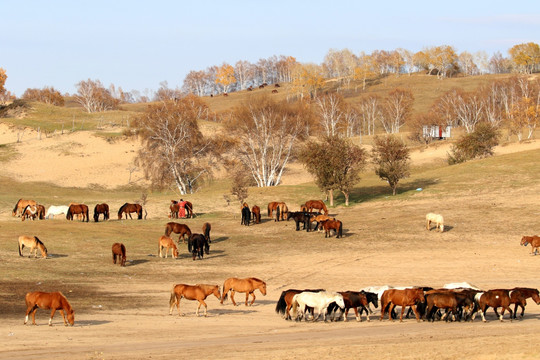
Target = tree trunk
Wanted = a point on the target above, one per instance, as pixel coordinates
(331, 197)
(346, 194)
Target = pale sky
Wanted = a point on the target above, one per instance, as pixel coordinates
(138, 44)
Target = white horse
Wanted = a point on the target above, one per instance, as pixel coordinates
(56, 210)
(437, 219)
(460, 285)
(316, 300)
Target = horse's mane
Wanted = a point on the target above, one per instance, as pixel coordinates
(122, 208)
(69, 308)
(258, 280)
(17, 205)
(39, 242)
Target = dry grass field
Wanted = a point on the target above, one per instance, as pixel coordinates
(123, 312)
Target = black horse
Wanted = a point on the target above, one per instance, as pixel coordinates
(372, 298)
(300, 217)
(246, 216)
(198, 245)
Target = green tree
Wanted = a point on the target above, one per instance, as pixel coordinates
(478, 144)
(390, 157)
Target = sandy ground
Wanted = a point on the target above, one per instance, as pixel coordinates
(371, 253)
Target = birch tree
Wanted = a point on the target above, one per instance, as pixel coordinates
(397, 109)
(331, 113)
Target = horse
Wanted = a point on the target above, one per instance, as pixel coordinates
(206, 231)
(56, 210)
(256, 212)
(128, 208)
(285, 302)
(533, 240)
(101, 209)
(248, 286)
(181, 229)
(352, 300)
(197, 292)
(246, 215)
(493, 298)
(405, 297)
(441, 300)
(316, 204)
(525, 293)
(281, 210)
(45, 300)
(119, 252)
(435, 218)
(299, 217)
(77, 209)
(197, 246)
(29, 212)
(335, 225)
(20, 205)
(274, 91)
(40, 212)
(319, 219)
(167, 243)
(175, 209)
(372, 298)
(34, 244)
(271, 208)
(318, 300)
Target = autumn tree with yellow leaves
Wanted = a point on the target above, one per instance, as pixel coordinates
(225, 77)
(525, 57)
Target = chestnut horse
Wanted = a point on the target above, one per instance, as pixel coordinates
(533, 240)
(197, 292)
(101, 209)
(20, 205)
(285, 302)
(281, 211)
(406, 297)
(318, 219)
(271, 208)
(206, 231)
(248, 286)
(29, 212)
(181, 229)
(53, 301)
(75, 209)
(494, 299)
(119, 252)
(525, 293)
(256, 211)
(335, 225)
(128, 208)
(33, 243)
(316, 204)
(167, 243)
(352, 300)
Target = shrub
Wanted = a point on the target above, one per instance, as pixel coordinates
(478, 144)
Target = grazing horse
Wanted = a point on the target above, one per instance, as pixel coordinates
(319, 220)
(256, 211)
(20, 205)
(299, 217)
(352, 300)
(316, 204)
(181, 229)
(29, 212)
(533, 240)
(494, 299)
(404, 298)
(206, 231)
(40, 212)
(53, 301)
(119, 252)
(281, 210)
(335, 225)
(128, 208)
(167, 243)
(246, 215)
(197, 246)
(285, 302)
(248, 286)
(101, 209)
(77, 209)
(271, 208)
(56, 210)
(435, 218)
(318, 301)
(197, 292)
(34, 244)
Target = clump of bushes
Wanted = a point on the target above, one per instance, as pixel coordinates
(478, 144)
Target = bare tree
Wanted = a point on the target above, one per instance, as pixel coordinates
(93, 96)
(397, 109)
(331, 113)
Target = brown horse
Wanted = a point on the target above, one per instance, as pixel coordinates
(128, 208)
(75, 209)
(119, 252)
(29, 212)
(20, 205)
(175, 208)
(525, 293)
(256, 212)
(197, 292)
(495, 299)
(271, 208)
(206, 231)
(352, 300)
(247, 286)
(33, 243)
(53, 301)
(319, 220)
(181, 229)
(441, 300)
(40, 212)
(316, 204)
(533, 240)
(335, 225)
(285, 301)
(101, 209)
(406, 297)
(167, 243)
(281, 211)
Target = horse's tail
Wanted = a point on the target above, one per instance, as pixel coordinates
(96, 215)
(281, 304)
(69, 215)
(21, 245)
(278, 210)
(268, 210)
(139, 213)
(294, 306)
(172, 300)
(340, 229)
(225, 292)
(16, 207)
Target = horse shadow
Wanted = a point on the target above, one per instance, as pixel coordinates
(91, 322)
(57, 256)
(448, 228)
(136, 262)
(237, 309)
(220, 239)
(215, 254)
(360, 195)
